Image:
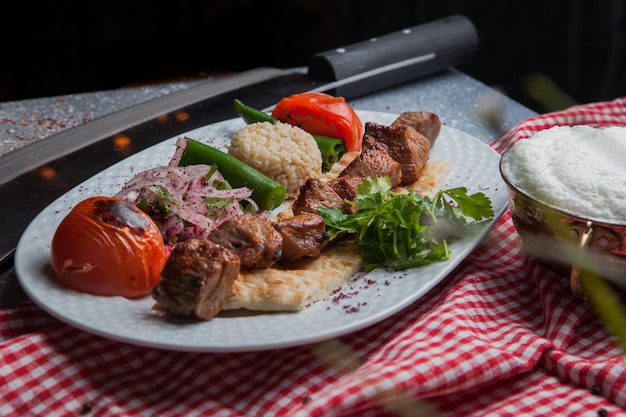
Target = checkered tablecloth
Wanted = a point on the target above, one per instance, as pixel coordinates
(501, 336)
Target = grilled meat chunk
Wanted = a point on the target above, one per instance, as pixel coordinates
(304, 236)
(375, 161)
(346, 186)
(404, 144)
(316, 193)
(426, 123)
(196, 279)
(257, 243)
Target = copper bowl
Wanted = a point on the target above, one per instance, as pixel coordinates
(564, 241)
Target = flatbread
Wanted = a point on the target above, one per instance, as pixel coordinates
(296, 286)
(433, 175)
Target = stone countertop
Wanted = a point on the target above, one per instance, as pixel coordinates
(26, 121)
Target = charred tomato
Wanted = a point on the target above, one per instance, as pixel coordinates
(107, 246)
(322, 114)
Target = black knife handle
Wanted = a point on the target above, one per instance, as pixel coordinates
(406, 55)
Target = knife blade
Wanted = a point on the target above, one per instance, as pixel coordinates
(35, 175)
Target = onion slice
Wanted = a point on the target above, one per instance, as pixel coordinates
(186, 202)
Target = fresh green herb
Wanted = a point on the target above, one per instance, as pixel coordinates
(162, 202)
(217, 184)
(214, 204)
(406, 230)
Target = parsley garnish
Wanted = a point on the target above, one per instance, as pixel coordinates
(406, 230)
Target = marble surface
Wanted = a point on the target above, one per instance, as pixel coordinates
(461, 102)
(27, 121)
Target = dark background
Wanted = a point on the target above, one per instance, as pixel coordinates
(545, 54)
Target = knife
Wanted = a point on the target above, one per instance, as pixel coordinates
(32, 177)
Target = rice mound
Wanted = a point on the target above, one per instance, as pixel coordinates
(285, 153)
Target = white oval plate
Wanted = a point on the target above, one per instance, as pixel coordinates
(364, 301)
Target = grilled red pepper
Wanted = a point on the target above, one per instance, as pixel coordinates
(322, 114)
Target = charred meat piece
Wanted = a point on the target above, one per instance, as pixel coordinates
(316, 193)
(404, 144)
(250, 237)
(196, 279)
(304, 236)
(426, 123)
(346, 186)
(375, 161)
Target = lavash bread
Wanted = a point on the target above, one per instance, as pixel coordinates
(294, 287)
(431, 179)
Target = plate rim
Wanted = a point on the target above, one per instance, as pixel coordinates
(370, 320)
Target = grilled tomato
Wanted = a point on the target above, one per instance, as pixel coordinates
(107, 246)
(322, 114)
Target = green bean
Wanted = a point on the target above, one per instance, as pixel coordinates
(332, 149)
(250, 114)
(267, 193)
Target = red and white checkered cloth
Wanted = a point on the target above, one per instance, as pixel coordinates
(501, 336)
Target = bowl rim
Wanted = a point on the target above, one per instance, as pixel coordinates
(559, 210)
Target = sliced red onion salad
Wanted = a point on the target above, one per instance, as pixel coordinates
(186, 202)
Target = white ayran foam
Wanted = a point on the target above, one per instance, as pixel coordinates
(579, 169)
